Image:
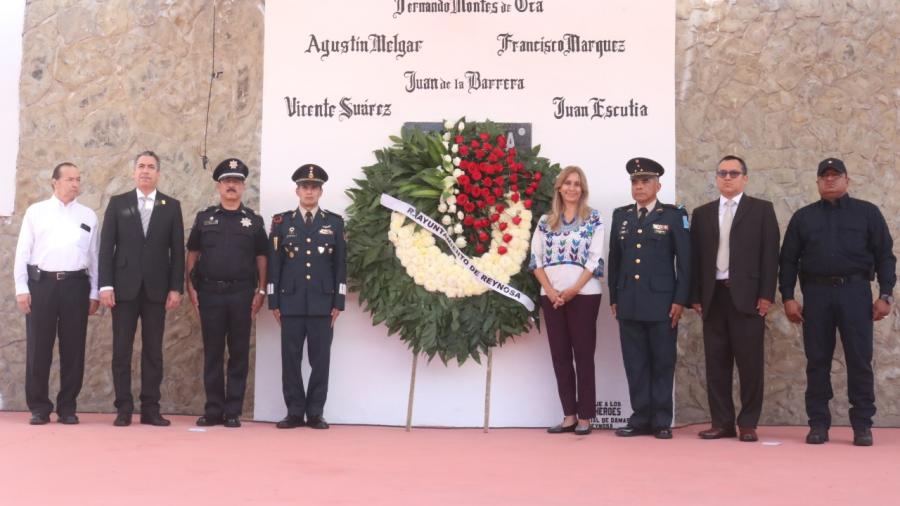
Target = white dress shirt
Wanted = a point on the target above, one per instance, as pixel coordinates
(722, 200)
(54, 238)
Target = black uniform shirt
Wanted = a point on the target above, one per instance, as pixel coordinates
(849, 237)
(228, 242)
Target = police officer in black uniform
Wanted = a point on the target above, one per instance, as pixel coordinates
(649, 284)
(307, 287)
(837, 246)
(226, 263)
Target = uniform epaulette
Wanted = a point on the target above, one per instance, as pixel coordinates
(210, 208)
(673, 206)
(624, 208)
(332, 213)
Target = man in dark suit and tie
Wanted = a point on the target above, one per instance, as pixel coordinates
(141, 277)
(735, 267)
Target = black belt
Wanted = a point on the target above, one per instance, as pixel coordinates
(832, 280)
(724, 282)
(36, 274)
(225, 286)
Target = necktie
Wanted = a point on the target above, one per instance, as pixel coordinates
(307, 218)
(724, 237)
(145, 214)
(642, 215)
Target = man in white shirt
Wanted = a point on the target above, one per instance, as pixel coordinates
(55, 273)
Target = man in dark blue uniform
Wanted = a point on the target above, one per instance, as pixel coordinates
(649, 284)
(837, 246)
(226, 262)
(307, 287)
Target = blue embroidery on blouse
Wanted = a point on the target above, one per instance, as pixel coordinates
(570, 245)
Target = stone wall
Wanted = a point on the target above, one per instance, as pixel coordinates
(102, 81)
(782, 83)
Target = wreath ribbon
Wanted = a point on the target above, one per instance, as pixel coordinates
(439, 231)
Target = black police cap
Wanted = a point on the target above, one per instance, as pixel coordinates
(831, 164)
(310, 173)
(231, 167)
(644, 167)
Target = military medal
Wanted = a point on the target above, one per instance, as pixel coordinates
(245, 222)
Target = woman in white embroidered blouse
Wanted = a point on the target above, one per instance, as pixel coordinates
(567, 260)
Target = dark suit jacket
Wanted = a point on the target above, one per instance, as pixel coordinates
(128, 259)
(753, 253)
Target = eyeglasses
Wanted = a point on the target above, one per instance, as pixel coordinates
(725, 174)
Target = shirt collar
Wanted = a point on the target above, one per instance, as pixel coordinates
(650, 207)
(302, 211)
(60, 203)
(842, 202)
(140, 194)
(736, 199)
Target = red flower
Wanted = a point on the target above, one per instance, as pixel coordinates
(484, 136)
(517, 220)
(500, 208)
(490, 199)
(476, 175)
(512, 151)
(475, 143)
(487, 181)
(503, 226)
(469, 207)
(529, 191)
(463, 180)
(514, 187)
(462, 199)
(482, 236)
(468, 221)
(528, 204)
(480, 204)
(501, 141)
(498, 191)
(499, 180)
(464, 150)
(501, 250)
(537, 176)
(513, 178)
(515, 198)
(459, 139)
(479, 248)
(479, 153)
(495, 217)
(507, 237)
(492, 158)
(487, 146)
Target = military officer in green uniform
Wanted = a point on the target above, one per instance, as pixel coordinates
(307, 287)
(648, 270)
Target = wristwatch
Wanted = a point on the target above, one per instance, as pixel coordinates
(887, 298)
(261, 291)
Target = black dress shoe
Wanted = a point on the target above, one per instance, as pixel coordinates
(862, 437)
(560, 429)
(155, 419)
(583, 430)
(817, 436)
(232, 422)
(629, 431)
(122, 420)
(317, 422)
(39, 419)
(290, 422)
(68, 419)
(209, 421)
(665, 433)
(717, 433)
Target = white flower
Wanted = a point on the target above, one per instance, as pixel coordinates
(446, 220)
(448, 125)
(449, 182)
(461, 126)
(454, 149)
(442, 207)
(446, 145)
(451, 209)
(458, 228)
(460, 241)
(451, 201)
(457, 173)
(447, 135)
(447, 158)
(456, 161)
(460, 215)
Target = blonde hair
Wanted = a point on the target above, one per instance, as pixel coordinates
(558, 207)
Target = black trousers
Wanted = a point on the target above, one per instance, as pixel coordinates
(730, 337)
(125, 315)
(847, 308)
(225, 320)
(572, 334)
(317, 331)
(648, 351)
(57, 308)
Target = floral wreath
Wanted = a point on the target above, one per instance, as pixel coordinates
(485, 192)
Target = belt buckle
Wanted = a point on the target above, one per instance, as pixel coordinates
(836, 280)
(60, 276)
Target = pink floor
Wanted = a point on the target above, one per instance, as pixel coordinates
(95, 463)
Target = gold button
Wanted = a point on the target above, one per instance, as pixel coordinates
(637, 261)
(637, 276)
(640, 231)
(308, 276)
(308, 239)
(308, 252)
(308, 264)
(639, 246)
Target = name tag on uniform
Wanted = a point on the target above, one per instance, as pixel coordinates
(211, 221)
(660, 228)
(326, 231)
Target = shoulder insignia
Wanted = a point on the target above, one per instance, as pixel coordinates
(278, 218)
(334, 214)
(626, 208)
